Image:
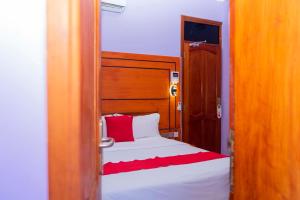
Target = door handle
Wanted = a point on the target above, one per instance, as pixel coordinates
(219, 108)
(219, 111)
(106, 142)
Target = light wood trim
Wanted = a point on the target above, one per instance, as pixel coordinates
(141, 57)
(63, 110)
(64, 85)
(97, 77)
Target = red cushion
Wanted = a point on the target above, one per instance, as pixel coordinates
(120, 128)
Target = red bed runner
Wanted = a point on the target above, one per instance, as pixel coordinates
(151, 163)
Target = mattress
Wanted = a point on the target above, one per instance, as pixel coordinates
(207, 180)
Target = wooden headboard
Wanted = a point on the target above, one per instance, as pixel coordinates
(139, 84)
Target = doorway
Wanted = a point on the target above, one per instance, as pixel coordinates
(201, 41)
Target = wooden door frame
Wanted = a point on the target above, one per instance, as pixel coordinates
(182, 41)
(231, 98)
(64, 92)
(185, 18)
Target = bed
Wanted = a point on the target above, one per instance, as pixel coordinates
(138, 84)
(207, 180)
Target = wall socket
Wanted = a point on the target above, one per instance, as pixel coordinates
(179, 106)
(176, 134)
(171, 135)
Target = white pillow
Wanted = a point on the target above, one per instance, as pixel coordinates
(146, 126)
(104, 127)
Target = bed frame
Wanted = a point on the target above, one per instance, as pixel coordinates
(138, 84)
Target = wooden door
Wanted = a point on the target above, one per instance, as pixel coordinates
(266, 63)
(202, 83)
(73, 73)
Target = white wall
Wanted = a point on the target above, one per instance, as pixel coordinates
(153, 27)
(23, 132)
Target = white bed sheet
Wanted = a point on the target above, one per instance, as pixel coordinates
(207, 180)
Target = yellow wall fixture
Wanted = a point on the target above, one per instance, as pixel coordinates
(174, 77)
(173, 90)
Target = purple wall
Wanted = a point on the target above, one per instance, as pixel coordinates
(153, 27)
(23, 129)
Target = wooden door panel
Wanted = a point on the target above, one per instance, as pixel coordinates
(195, 85)
(202, 82)
(266, 63)
(201, 90)
(205, 141)
(73, 76)
(210, 84)
(193, 138)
